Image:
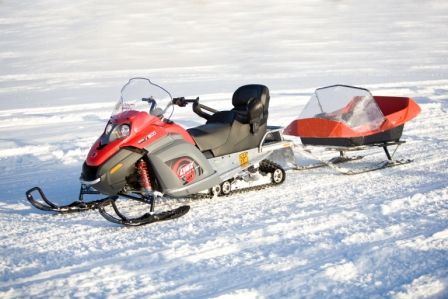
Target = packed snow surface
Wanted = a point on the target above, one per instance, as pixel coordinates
(321, 234)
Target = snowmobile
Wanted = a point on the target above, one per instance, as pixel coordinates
(346, 118)
(142, 155)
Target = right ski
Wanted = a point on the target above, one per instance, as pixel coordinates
(146, 218)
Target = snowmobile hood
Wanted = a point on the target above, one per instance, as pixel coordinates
(112, 139)
(144, 129)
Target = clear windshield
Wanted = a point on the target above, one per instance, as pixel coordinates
(353, 106)
(143, 95)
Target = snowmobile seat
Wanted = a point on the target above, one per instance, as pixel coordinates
(238, 129)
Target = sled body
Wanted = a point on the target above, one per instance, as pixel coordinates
(347, 116)
(345, 119)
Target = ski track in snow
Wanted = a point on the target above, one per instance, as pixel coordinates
(319, 235)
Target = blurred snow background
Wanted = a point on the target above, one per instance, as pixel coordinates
(59, 52)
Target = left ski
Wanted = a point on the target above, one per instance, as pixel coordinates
(146, 218)
(77, 206)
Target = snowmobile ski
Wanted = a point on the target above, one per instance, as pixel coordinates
(77, 206)
(146, 218)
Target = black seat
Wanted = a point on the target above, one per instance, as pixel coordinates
(239, 129)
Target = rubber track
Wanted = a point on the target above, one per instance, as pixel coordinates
(265, 166)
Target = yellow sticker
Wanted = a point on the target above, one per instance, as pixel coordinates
(116, 168)
(244, 159)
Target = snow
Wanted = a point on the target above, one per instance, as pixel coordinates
(319, 235)
(422, 287)
(341, 273)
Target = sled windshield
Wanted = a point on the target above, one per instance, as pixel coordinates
(355, 107)
(141, 94)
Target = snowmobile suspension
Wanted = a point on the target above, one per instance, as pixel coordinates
(143, 177)
(145, 183)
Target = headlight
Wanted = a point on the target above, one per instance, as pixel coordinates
(125, 130)
(114, 132)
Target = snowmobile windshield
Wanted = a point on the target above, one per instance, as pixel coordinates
(356, 107)
(143, 95)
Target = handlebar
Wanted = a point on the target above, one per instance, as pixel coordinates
(197, 107)
(151, 102)
(182, 101)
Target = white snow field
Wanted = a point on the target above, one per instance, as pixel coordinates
(321, 234)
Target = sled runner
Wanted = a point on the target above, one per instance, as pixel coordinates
(144, 156)
(345, 118)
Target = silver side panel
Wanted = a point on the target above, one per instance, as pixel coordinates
(230, 166)
(219, 169)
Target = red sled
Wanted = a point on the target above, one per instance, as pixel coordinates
(341, 115)
(347, 118)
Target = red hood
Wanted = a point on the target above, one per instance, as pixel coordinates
(145, 129)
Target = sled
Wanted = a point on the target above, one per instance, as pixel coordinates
(345, 118)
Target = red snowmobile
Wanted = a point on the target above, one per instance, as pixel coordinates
(144, 156)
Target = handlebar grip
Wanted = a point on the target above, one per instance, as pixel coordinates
(182, 101)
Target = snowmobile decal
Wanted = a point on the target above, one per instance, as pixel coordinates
(244, 159)
(146, 138)
(185, 169)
